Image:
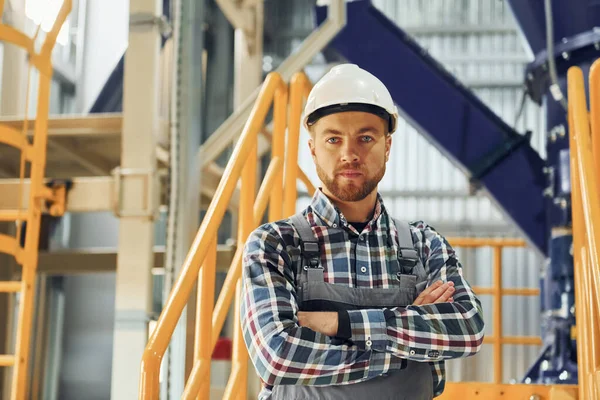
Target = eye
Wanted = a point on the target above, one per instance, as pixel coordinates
(333, 140)
(366, 139)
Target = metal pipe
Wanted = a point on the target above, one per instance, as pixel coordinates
(204, 311)
(304, 179)
(246, 225)
(594, 84)
(226, 295)
(278, 151)
(290, 193)
(271, 183)
(235, 271)
(196, 385)
(520, 340)
(485, 242)
(498, 371)
(507, 292)
(590, 201)
(578, 243)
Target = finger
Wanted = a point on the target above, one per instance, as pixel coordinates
(439, 291)
(445, 296)
(419, 300)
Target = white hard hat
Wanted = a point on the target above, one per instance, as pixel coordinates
(349, 88)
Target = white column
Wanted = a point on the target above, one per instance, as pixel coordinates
(136, 233)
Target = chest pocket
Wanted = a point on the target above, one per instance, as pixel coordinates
(314, 294)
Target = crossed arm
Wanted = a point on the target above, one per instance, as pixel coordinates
(326, 322)
(288, 346)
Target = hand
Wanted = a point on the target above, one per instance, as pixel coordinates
(439, 292)
(325, 322)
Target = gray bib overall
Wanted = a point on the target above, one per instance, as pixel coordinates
(414, 380)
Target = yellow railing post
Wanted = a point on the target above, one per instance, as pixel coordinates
(278, 151)
(298, 88)
(586, 219)
(498, 356)
(204, 310)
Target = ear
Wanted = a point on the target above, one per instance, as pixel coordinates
(388, 147)
(311, 146)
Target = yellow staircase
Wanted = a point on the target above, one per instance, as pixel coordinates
(278, 192)
(40, 197)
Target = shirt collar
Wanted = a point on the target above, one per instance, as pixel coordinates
(332, 216)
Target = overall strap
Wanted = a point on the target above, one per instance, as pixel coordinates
(407, 255)
(309, 248)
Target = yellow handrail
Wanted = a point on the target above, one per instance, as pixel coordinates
(585, 201)
(159, 340)
(272, 193)
(299, 87)
(497, 291)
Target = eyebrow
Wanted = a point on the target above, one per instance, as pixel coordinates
(365, 129)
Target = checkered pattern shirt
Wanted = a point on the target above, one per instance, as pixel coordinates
(285, 353)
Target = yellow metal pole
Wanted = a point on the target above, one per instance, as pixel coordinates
(485, 242)
(198, 382)
(278, 151)
(271, 182)
(578, 243)
(304, 179)
(159, 340)
(30, 254)
(204, 310)
(590, 198)
(235, 269)
(498, 314)
(233, 387)
(247, 197)
(595, 115)
(226, 295)
(298, 86)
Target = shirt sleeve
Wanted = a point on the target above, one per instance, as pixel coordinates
(427, 332)
(283, 352)
(344, 328)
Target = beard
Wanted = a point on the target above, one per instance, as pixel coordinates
(350, 191)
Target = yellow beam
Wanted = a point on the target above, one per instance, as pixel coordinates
(67, 262)
(524, 340)
(109, 124)
(486, 242)
(507, 292)
(492, 391)
(7, 360)
(87, 194)
(10, 287)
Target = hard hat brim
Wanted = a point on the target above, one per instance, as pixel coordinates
(339, 108)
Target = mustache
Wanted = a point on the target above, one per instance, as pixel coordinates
(349, 166)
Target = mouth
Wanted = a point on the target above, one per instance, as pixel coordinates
(350, 174)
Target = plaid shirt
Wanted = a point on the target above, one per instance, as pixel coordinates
(285, 353)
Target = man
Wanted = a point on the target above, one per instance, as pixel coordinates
(341, 301)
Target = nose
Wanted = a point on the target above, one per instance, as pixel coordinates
(349, 153)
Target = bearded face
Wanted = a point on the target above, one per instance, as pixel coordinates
(350, 151)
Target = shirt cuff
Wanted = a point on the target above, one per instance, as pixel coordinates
(344, 328)
(369, 329)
